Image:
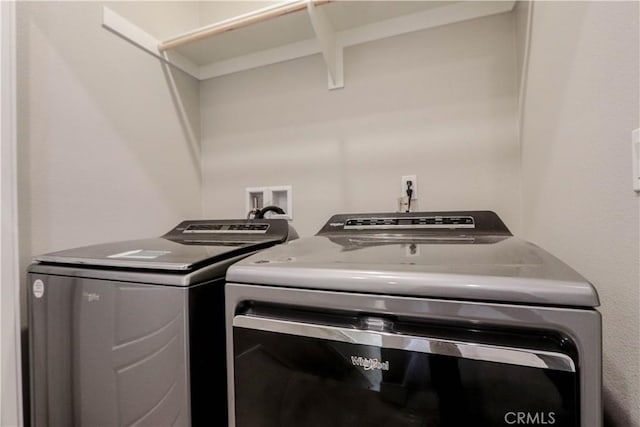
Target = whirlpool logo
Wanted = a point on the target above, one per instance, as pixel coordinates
(369, 364)
(91, 296)
(530, 418)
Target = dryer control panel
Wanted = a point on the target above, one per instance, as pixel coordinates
(460, 222)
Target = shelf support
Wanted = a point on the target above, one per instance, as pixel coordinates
(135, 35)
(332, 52)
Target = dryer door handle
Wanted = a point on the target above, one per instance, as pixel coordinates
(461, 349)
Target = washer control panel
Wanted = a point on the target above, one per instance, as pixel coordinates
(237, 228)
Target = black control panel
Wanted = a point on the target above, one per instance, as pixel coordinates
(460, 222)
(420, 222)
(220, 231)
(253, 228)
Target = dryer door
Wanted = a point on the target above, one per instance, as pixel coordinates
(295, 373)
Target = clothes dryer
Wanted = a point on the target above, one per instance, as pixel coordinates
(412, 319)
(132, 333)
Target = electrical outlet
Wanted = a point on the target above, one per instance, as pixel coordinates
(414, 186)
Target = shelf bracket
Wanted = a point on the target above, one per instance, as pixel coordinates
(138, 37)
(332, 51)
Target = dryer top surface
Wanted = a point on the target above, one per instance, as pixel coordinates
(461, 265)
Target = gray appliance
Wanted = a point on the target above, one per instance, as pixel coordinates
(132, 333)
(411, 319)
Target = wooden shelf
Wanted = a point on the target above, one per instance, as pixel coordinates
(297, 28)
(258, 16)
(242, 35)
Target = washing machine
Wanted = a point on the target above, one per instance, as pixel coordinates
(131, 333)
(411, 319)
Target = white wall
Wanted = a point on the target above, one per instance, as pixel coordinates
(10, 373)
(108, 137)
(439, 103)
(219, 10)
(105, 153)
(582, 102)
(522, 17)
(161, 19)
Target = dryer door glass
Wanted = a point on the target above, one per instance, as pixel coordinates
(306, 375)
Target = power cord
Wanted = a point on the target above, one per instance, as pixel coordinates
(259, 213)
(409, 194)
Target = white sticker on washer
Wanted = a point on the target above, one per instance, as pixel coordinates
(140, 254)
(38, 288)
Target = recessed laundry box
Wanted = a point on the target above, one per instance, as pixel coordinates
(411, 319)
(132, 333)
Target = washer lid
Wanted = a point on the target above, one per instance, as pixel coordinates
(150, 254)
(189, 245)
(462, 267)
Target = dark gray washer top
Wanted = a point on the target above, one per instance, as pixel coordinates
(482, 268)
(195, 277)
(192, 252)
(157, 254)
